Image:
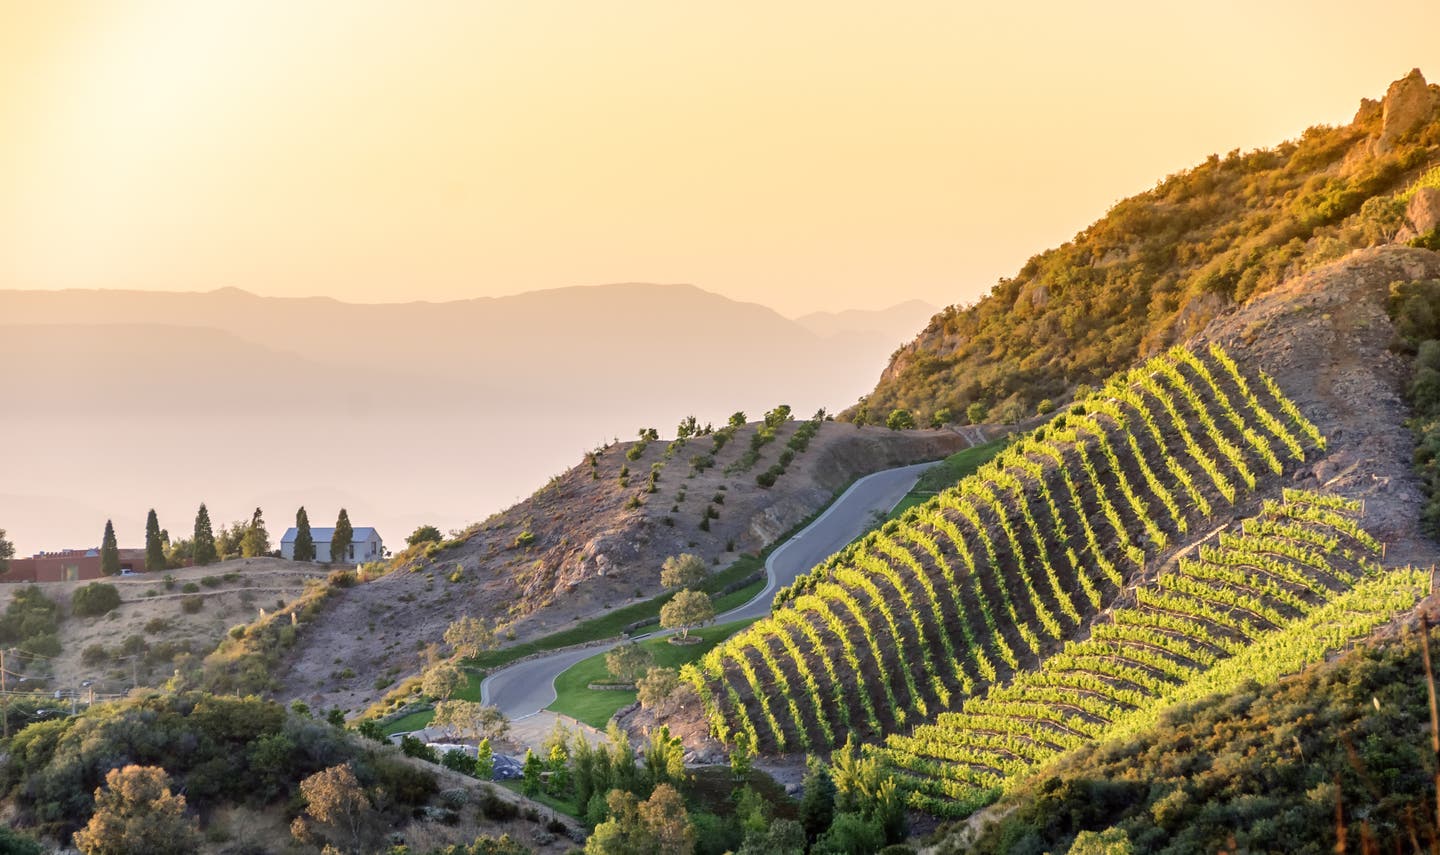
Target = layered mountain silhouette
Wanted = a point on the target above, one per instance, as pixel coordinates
(442, 412)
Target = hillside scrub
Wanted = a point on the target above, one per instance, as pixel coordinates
(1339, 748)
(1155, 269)
(1415, 309)
(218, 751)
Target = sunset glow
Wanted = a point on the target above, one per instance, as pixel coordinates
(807, 156)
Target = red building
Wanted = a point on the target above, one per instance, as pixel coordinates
(68, 565)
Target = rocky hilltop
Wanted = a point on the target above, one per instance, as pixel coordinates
(1160, 265)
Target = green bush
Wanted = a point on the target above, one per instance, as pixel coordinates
(189, 588)
(191, 605)
(94, 599)
(524, 539)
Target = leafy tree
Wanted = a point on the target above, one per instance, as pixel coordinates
(7, 552)
(531, 773)
(628, 662)
(817, 805)
(850, 834)
(941, 417)
(484, 760)
(109, 551)
(900, 420)
(975, 413)
(863, 787)
(687, 609)
(424, 534)
(683, 571)
(154, 544)
(658, 687)
(470, 636)
(664, 817)
(687, 428)
(334, 797)
(94, 599)
(136, 812)
(470, 720)
(256, 540)
(659, 825)
(304, 541)
(1045, 407)
(664, 758)
(737, 419)
(781, 837)
(202, 544)
(456, 760)
(442, 681)
(1111, 841)
(340, 541)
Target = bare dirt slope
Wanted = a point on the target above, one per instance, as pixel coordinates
(584, 544)
(1324, 336)
(154, 615)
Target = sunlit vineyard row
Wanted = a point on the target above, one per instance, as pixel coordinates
(990, 577)
(1275, 594)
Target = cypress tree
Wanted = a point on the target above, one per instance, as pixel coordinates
(340, 540)
(256, 540)
(203, 543)
(109, 552)
(304, 541)
(154, 543)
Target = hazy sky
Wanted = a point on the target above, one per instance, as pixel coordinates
(807, 155)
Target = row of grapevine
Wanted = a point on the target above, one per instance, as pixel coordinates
(995, 574)
(1296, 580)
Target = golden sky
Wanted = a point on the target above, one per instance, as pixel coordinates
(805, 155)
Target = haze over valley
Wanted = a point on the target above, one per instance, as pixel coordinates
(404, 413)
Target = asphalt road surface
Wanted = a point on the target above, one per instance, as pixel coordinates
(525, 688)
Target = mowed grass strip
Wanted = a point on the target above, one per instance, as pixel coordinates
(595, 707)
(947, 473)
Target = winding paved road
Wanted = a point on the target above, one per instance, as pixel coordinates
(526, 688)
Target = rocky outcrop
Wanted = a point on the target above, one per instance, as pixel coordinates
(1423, 212)
(1409, 103)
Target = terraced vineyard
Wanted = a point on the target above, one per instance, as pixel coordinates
(1275, 594)
(990, 577)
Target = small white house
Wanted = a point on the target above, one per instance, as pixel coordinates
(365, 545)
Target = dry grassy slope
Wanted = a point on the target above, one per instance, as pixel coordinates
(1324, 336)
(590, 552)
(261, 584)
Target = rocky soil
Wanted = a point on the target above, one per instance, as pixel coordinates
(583, 545)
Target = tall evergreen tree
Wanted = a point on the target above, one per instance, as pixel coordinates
(304, 541)
(203, 542)
(256, 540)
(109, 551)
(340, 540)
(154, 543)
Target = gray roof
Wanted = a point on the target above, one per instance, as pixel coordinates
(325, 535)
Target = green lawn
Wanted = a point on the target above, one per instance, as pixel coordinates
(416, 720)
(565, 806)
(613, 624)
(948, 472)
(595, 708)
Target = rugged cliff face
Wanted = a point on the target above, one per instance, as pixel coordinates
(1159, 266)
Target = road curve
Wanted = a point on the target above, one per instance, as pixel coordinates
(525, 688)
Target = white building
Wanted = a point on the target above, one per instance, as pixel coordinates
(365, 545)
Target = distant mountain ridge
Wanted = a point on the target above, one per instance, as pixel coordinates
(461, 407)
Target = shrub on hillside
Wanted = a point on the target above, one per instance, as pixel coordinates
(95, 599)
